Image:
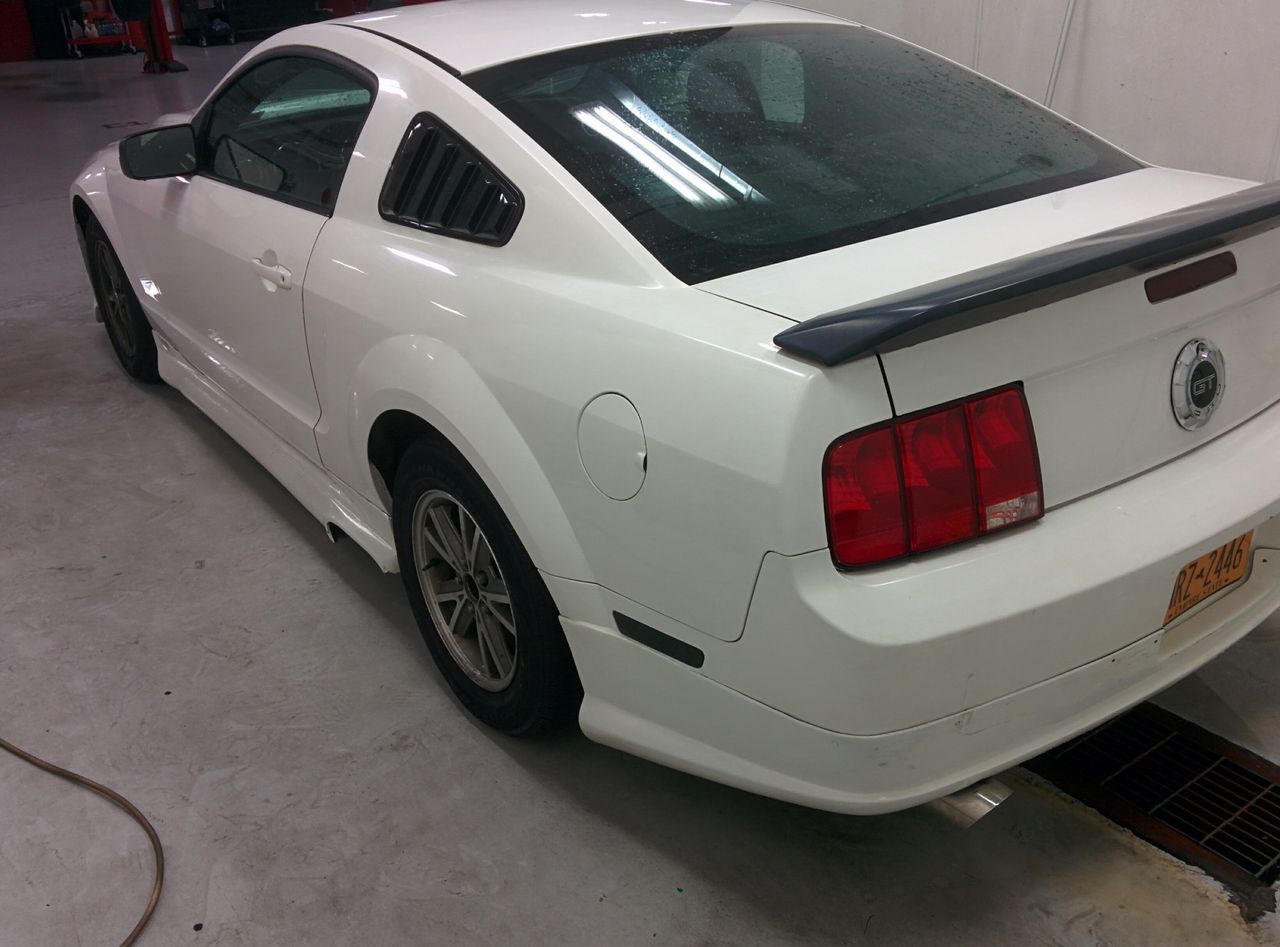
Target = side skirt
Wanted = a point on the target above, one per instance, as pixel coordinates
(328, 500)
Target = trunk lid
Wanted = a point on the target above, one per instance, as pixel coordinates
(1097, 367)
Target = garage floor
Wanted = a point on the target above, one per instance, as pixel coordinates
(174, 625)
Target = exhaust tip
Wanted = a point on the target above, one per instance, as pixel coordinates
(966, 806)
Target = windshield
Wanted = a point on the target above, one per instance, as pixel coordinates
(723, 150)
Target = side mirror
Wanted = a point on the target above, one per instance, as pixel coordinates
(159, 153)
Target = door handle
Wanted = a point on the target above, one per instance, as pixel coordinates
(273, 273)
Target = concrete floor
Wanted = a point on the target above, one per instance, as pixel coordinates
(173, 624)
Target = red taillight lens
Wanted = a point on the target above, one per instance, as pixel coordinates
(932, 479)
(937, 466)
(1004, 454)
(864, 498)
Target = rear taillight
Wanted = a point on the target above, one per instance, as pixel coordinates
(932, 479)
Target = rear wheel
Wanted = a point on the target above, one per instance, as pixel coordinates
(481, 606)
(122, 314)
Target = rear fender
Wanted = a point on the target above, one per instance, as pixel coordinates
(425, 377)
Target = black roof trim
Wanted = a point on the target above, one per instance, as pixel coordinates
(1037, 279)
(456, 73)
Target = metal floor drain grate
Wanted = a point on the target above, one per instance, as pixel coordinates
(1192, 793)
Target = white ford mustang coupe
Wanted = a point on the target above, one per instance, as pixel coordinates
(793, 406)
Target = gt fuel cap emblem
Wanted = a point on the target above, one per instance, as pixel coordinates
(1199, 382)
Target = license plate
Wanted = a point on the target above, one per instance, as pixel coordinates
(1210, 573)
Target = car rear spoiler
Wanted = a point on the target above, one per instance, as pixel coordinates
(1028, 282)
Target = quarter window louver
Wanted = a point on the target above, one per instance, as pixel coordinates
(438, 182)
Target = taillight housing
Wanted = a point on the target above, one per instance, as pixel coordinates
(932, 479)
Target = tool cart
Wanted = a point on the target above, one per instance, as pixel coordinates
(95, 25)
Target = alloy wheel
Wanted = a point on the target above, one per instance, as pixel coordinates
(464, 590)
(115, 300)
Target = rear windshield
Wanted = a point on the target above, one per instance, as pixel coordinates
(723, 150)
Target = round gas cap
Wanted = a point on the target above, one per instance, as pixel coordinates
(612, 446)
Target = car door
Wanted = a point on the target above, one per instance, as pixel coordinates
(230, 245)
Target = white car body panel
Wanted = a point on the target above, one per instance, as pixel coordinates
(709, 729)
(471, 357)
(816, 284)
(857, 692)
(471, 35)
(1103, 356)
(213, 302)
(327, 499)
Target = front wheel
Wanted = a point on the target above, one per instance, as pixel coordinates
(126, 324)
(481, 606)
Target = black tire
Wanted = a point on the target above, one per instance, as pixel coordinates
(126, 324)
(543, 690)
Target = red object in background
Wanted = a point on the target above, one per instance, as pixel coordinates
(159, 49)
(146, 18)
(16, 43)
(137, 33)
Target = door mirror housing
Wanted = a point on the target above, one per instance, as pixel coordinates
(159, 153)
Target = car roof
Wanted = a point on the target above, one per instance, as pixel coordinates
(467, 35)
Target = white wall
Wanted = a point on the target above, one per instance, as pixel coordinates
(1185, 83)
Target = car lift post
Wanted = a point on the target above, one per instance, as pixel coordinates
(155, 28)
(159, 47)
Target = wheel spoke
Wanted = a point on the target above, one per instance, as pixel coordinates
(487, 664)
(461, 619)
(459, 524)
(497, 647)
(473, 547)
(440, 548)
(449, 533)
(441, 539)
(507, 623)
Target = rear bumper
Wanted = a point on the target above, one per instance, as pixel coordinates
(886, 649)
(644, 703)
(877, 690)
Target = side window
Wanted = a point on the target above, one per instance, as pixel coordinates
(286, 128)
(438, 182)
